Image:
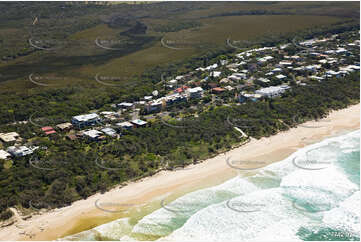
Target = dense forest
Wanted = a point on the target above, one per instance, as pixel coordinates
(74, 170)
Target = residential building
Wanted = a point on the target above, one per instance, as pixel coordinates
(148, 98)
(273, 91)
(125, 105)
(93, 135)
(48, 130)
(281, 77)
(125, 125)
(249, 96)
(109, 131)
(264, 80)
(218, 90)
(4, 155)
(64, 126)
(85, 120)
(9, 137)
(139, 123)
(237, 76)
(196, 92)
(19, 151)
(215, 73)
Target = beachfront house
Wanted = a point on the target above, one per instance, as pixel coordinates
(273, 91)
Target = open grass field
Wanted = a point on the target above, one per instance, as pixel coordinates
(79, 58)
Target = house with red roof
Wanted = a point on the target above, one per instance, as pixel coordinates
(48, 130)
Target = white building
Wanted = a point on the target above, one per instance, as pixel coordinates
(125, 105)
(273, 91)
(281, 77)
(109, 131)
(237, 76)
(93, 134)
(125, 125)
(20, 151)
(216, 73)
(196, 92)
(4, 155)
(85, 120)
(139, 122)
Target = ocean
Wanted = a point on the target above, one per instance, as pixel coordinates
(314, 194)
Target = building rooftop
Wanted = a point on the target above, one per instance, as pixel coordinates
(86, 117)
(93, 133)
(4, 155)
(9, 137)
(64, 126)
(139, 122)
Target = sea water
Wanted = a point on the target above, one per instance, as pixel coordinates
(314, 194)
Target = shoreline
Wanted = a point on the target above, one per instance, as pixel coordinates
(57, 223)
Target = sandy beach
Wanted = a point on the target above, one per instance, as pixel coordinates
(55, 224)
